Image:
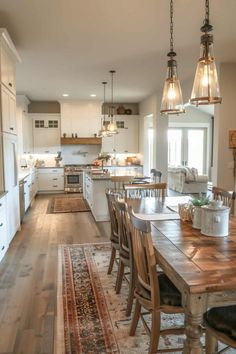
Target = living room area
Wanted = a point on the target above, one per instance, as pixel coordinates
(190, 150)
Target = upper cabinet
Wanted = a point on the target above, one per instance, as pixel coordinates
(127, 139)
(8, 69)
(8, 59)
(8, 111)
(46, 133)
(82, 118)
(24, 126)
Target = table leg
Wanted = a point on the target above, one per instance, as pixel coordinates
(195, 307)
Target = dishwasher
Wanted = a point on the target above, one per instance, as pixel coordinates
(22, 199)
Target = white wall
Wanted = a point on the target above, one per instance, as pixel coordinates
(224, 121)
(151, 105)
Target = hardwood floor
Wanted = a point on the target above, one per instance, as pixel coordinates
(28, 276)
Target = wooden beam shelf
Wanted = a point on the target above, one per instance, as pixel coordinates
(81, 141)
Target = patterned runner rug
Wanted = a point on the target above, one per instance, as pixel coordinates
(67, 205)
(91, 316)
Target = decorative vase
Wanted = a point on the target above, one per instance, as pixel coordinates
(197, 217)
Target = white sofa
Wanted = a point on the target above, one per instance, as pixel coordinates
(186, 180)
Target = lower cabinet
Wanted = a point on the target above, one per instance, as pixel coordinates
(3, 227)
(96, 197)
(51, 180)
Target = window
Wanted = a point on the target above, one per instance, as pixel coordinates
(39, 123)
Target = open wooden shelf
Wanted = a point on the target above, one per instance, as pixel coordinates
(81, 141)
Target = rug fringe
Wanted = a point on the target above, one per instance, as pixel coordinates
(59, 342)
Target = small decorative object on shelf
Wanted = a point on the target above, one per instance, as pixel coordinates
(120, 110)
(72, 135)
(76, 136)
(95, 135)
(64, 135)
(128, 111)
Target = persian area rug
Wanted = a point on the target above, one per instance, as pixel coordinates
(91, 316)
(67, 205)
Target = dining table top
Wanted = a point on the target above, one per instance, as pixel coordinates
(203, 263)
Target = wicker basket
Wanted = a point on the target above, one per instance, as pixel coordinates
(185, 212)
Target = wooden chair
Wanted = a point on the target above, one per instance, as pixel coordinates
(125, 253)
(227, 197)
(156, 175)
(145, 190)
(154, 292)
(114, 238)
(220, 326)
(120, 181)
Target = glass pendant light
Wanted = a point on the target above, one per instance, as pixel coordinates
(206, 88)
(112, 127)
(172, 101)
(103, 132)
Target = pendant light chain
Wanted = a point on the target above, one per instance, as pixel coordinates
(207, 8)
(171, 27)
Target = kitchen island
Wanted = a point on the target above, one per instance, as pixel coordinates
(94, 192)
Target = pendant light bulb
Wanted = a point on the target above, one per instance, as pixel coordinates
(206, 89)
(172, 100)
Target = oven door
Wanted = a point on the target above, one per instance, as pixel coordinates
(72, 180)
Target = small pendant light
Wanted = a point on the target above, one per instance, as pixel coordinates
(172, 101)
(112, 127)
(103, 131)
(206, 88)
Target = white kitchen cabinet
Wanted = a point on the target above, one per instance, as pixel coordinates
(51, 180)
(46, 133)
(126, 141)
(27, 187)
(82, 118)
(96, 196)
(8, 108)
(3, 227)
(7, 69)
(108, 144)
(24, 126)
(11, 184)
(34, 184)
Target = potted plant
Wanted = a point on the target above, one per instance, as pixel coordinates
(197, 203)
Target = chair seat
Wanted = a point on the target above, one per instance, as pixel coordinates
(169, 294)
(222, 319)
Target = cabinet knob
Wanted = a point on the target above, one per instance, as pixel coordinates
(55, 179)
(10, 84)
(55, 186)
(11, 128)
(1, 224)
(47, 151)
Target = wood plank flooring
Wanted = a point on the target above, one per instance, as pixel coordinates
(28, 276)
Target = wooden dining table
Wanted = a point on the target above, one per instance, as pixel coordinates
(203, 268)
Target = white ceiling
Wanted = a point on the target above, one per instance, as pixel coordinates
(68, 46)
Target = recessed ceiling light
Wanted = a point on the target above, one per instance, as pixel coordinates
(93, 95)
(65, 94)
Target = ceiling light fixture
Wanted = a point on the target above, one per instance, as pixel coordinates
(103, 132)
(93, 95)
(112, 127)
(206, 88)
(65, 95)
(172, 101)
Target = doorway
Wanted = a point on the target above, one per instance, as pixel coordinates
(188, 147)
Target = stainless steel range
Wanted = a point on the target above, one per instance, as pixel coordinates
(73, 178)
